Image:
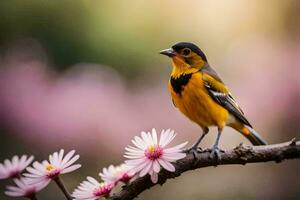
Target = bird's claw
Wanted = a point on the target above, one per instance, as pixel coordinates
(215, 153)
(193, 150)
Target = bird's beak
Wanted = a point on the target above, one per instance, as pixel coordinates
(168, 52)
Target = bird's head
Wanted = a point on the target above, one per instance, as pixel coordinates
(186, 54)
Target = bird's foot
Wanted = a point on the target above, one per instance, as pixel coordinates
(215, 153)
(193, 150)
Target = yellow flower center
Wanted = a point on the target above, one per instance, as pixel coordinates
(151, 149)
(153, 152)
(52, 171)
(49, 168)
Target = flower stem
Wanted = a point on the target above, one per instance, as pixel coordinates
(62, 187)
(32, 197)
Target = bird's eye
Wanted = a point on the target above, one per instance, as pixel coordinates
(186, 51)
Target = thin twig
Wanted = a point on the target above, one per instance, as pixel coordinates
(239, 155)
(62, 187)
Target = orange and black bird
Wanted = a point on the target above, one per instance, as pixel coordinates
(200, 94)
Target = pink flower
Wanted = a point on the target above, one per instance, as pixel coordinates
(23, 188)
(58, 164)
(115, 174)
(149, 154)
(13, 168)
(92, 190)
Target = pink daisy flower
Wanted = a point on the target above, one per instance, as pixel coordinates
(23, 188)
(92, 190)
(57, 164)
(13, 168)
(115, 174)
(149, 154)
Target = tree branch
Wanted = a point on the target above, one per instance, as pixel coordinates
(239, 155)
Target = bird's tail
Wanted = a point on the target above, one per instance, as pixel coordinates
(254, 137)
(250, 134)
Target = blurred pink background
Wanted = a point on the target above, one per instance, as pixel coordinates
(96, 98)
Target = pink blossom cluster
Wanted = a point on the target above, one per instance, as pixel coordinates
(147, 156)
(37, 176)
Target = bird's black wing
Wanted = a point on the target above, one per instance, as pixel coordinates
(220, 93)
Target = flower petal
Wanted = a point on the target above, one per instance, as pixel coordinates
(70, 169)
(154, 177)
(154, 136)
(169, 136)
(174, 156)
(67, 157)
(167, 165)
(146, 169)
(177, 148)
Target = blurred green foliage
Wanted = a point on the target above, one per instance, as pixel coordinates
(70, 34)
(128, 35)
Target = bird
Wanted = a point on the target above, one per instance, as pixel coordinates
(201, 95)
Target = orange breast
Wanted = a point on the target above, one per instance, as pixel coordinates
(194, 102)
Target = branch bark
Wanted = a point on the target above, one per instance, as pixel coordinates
(239, 155)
